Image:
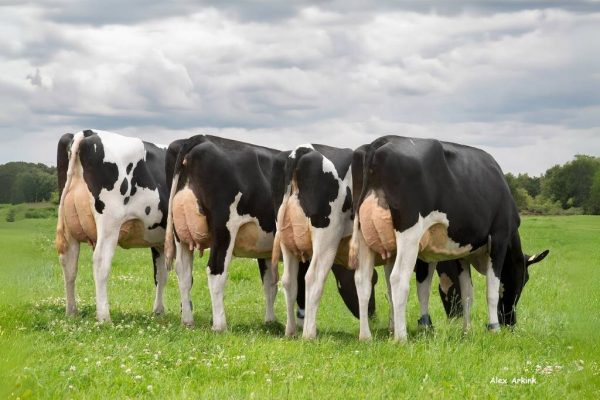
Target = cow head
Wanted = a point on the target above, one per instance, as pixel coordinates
(347, 288)
(515, 275)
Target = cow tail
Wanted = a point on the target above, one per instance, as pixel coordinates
(169, 237)
(275, 256)
(179, 164)
(361, 164)
(62, 238)
(353, 250)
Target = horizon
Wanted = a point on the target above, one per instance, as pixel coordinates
(53, 164)
(516, 79)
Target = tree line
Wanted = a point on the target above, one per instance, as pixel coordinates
(571, 188)
(22, 182)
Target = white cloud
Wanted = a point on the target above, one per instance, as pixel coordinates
(515, 82)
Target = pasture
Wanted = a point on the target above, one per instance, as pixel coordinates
(44, 354)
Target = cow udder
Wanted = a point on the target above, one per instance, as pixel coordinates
(79, 218)
(376, 225)
(251, 242)
(294, 230)
(190, 224)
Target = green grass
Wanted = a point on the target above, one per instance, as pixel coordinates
(44, 354)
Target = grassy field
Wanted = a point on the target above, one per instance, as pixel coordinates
(44, 354)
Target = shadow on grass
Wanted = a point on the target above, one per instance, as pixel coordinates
(46, 316)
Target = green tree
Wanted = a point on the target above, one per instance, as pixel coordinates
(592, 205)
(570, 184)
(531, 184)
(522, 199)
(21, 182)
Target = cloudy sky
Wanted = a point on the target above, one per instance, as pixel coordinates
(520, 79)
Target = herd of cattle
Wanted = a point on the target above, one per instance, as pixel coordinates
(405, 203)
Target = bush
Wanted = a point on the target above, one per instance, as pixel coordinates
(541, 205)
(40, 213)
(10, 215)
(54, 198)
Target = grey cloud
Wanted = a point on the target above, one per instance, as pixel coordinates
(134, 11)
(36, 80)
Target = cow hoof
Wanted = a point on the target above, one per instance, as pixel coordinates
(159, 310)
(495, 328)
(71, 313)
(219, 328)
(309, 336)
(289, 332)
(104, 320)
(365, 338)
(425, 322)
(188, 324)
(400, 339)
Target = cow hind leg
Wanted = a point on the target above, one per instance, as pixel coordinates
(160, 279)
(407, 244)
(218, 265)
(424, 278)
(389, 265)
(466, 293)
(362, 279)
(68, 261)
(103, 255)
(269, 288)
(316, 275)
(183, 266)
(290, 286)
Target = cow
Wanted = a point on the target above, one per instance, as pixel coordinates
(435, 201)
(112, 192)
(312, 195)
(222, 199)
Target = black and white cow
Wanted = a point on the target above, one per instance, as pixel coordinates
(436, 201)
(222, 200)
(112, 192)
(312, 193)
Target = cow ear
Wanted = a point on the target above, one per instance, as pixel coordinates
(536, 258)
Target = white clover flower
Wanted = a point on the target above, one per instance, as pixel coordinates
(128, 371)
(72, 368)
(137, 377)
(149, 387)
